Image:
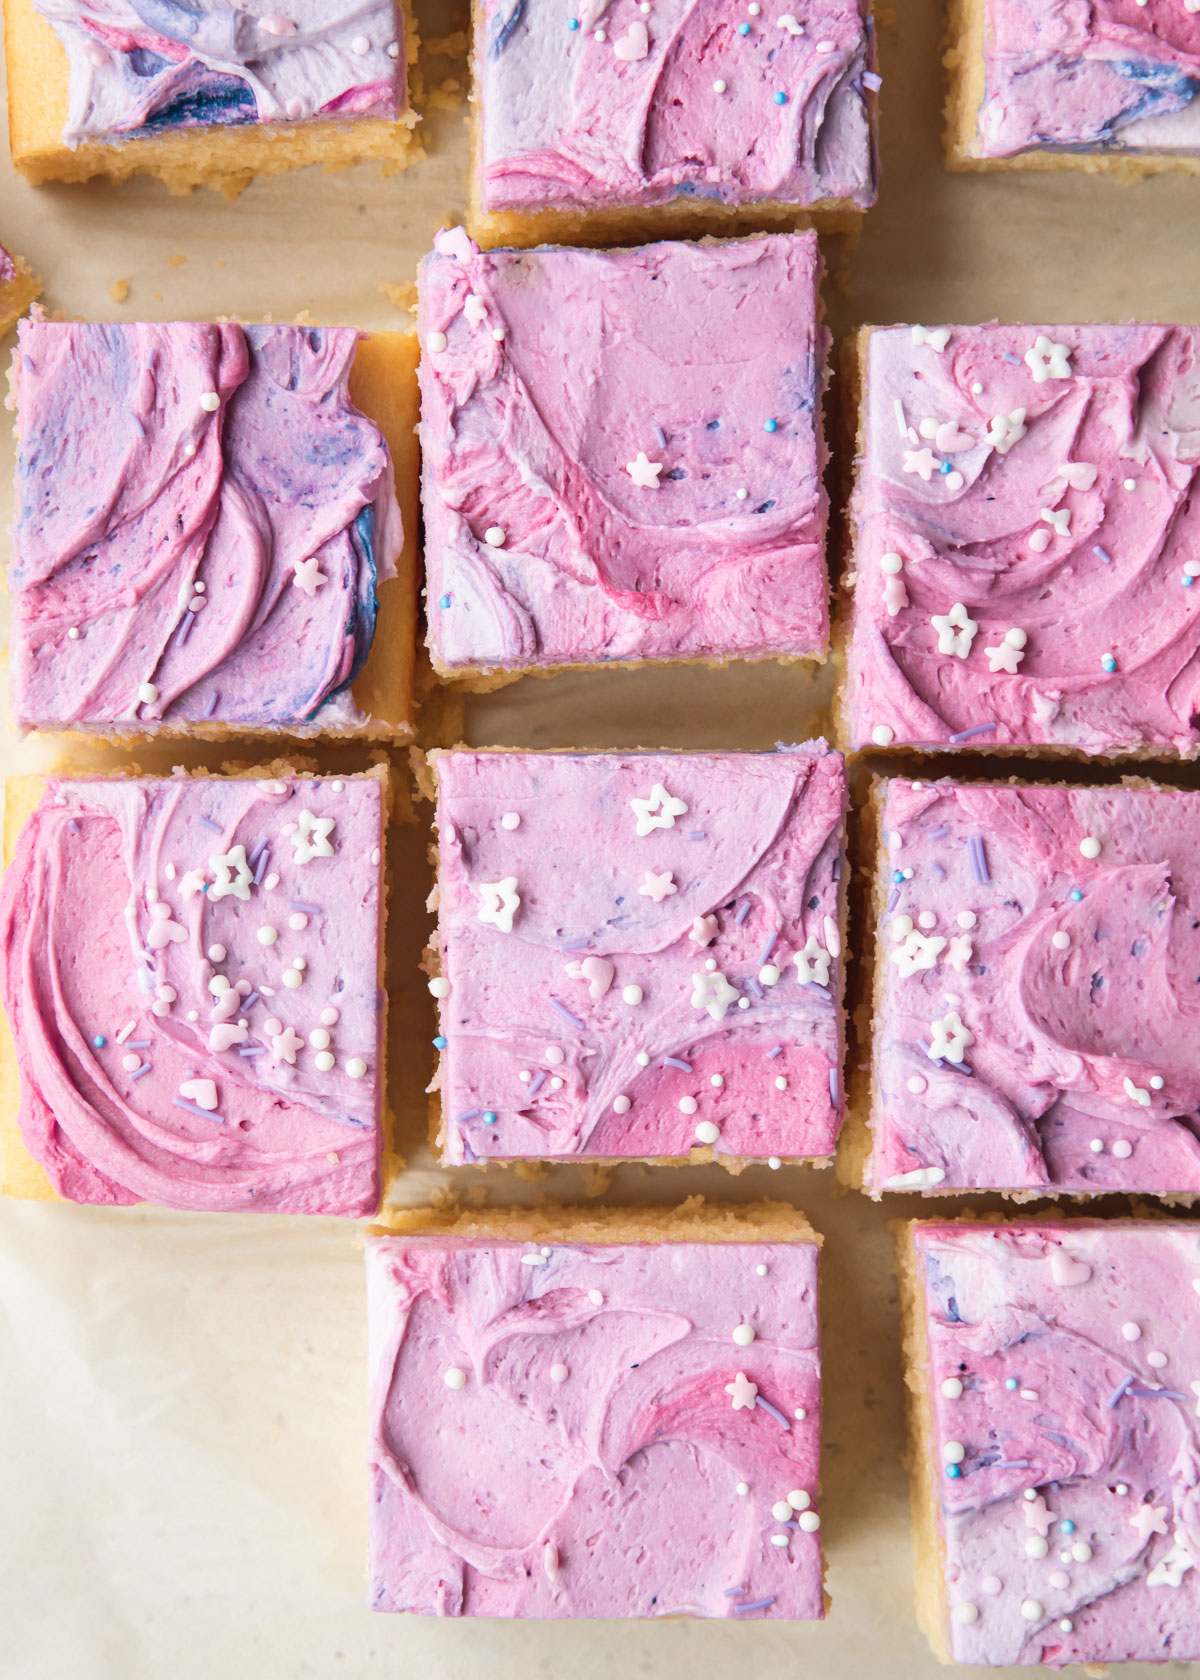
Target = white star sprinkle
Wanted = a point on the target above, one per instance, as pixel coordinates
(922, 461)
(658, 887)
(1047, 360)
(955, 630)
(308, 576)
(704, 930)
(1174, 1565)
(812, 964)
(714, 993)
(1148, 1520)
(234, 874)
(192, 883)
(1007, 429)
(311, 837)
(659, 811)
(937, 338)
(1060, 518)
(501, 901)
(959, 954)
(917, 952)
(475, 309)
(949, 1039)
(644, 472)
(744, 1392)
(285, 1044)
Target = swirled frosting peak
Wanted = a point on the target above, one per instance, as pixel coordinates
(202, 518)
(594, 1431)
(190, 975)
(1028, 556)
(640, 953)
(622, 452)
(143, 67)
(1064, 1366)
(598, 103)
(1103, 75)
(1038, 994)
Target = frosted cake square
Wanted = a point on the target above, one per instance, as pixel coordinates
(192, 982)
(584, 1416)
(1107, 86)
(205, 95)
(1027, 541)
(639, 955)
(622, 454)
(1037, 973)
(207, 529)
(602, 121)
(1051, 1408)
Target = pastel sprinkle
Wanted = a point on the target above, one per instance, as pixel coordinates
(772, 1411)
(758, 1604)
(976, 729)
(674, 1061)
(770, 425)
(194, 1108)
(566, 1013)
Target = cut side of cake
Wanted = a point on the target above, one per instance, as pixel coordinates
(207, 530)
(1037, 974)
(1026, 542)
(622, 454)
(639, 956)
(595, 1416)
(1107, 86)
(1051, 1413)
(193, 989)
(596, 123)
(19, 287)
(205, 95)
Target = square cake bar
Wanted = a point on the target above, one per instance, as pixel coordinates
(638, 955)
(1110, 85)
(1027, 541)
(192, 980)
(208, 539)
(1037, 991)
(622, 454)
(595, 1415)
(1052, 1375)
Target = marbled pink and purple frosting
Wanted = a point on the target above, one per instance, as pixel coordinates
(609, 1449)
(1038, 1019)
(202, 519)
(1064, 1365)
(598, 104)
(1028, 540)
(640, 953)
(141, 68)
(622, 452)
(149, 930)
(1090, 75)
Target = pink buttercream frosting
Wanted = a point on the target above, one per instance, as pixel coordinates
(1039, 1016)
(149, 928)
(592, 1461)
(622, 452)
(1089, 75)
(1063, 1361)
(141, 68)
(646, 958)
(602, 105)
(1029, 540)
(202, 518)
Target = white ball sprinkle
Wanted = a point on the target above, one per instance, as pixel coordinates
(966, 918)
(774, 1162)
(595, 1297)
(1067, 1625)
(1090, 846)
(494, 536)
(916, 1084)
(216, 953)
(768, 974)
(267, 935)
(218, 984)
(510, 820)
(800, 1414)
(954, 1452)
(977, 388)
(891, 564)
(760, 1271)
(210, 402)
(1036, 1547)
(742, 1489)
(131, 1061)
(1130, 483)
(719, 85)
(147, 693)
(798, 1499)
(780, 1539)
(743, 1335)
(741, 494)
(319, 1038)
(966, 1613)
(810, 1522)
(435, 342)
(525, 1076)
(555, 1054)
(621, 1105)
(1132, 1332)
(781, 1511)
(882, 735)
(1157, 1083)
(780, 1082)
(556, 1083)
(1032, 1610)
(360, 46)
(73, 632)
(454, 1377)
(356, 1067)
(600, 35)
(707, 1132)
(927, 920)
(559, 1372)
(642, 1058)
(1122, 1149)
(718, 1079)
(1061, 941)
(688, 1105)
(298, 922)
(1081, 1552)
(439, 987)
(1157, 1360)
(1097, 1146)
(292, 977)
(632, 995)
(324, 1061)
(952, 1388)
